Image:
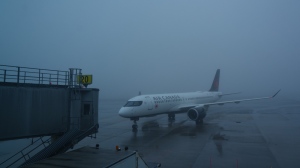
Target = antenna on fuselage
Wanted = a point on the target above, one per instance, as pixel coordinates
(140, 93)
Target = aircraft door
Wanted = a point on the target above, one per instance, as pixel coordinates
(87, 115)
(149, 103)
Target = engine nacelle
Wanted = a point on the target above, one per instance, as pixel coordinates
(197, 113)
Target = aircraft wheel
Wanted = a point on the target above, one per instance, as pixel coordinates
(134, 126)
(199, 122)
(171, 117)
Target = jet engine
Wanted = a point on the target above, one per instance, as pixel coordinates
(197, 113)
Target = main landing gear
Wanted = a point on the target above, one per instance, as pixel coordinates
(134, 125)
(171, 117)
(199, 122)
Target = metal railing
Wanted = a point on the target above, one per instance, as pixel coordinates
(25, 75)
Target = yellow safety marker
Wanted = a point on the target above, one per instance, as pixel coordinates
(85, 79)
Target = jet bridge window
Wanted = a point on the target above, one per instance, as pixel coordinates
(86, 109)
(133, 103)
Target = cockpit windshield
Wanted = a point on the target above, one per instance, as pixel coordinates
(133, 103)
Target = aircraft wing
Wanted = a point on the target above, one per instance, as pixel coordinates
(238, 101)
(187, 107)
(226, 94)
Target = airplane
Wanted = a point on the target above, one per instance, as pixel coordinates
(195, 104)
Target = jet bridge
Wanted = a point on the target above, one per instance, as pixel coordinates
(42, 102)
(38, 102)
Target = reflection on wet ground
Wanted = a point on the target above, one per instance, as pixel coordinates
(150, 126)
(255, 134)
(218, 140)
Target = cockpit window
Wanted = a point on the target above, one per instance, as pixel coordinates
(133, 103)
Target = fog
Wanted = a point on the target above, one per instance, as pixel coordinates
(159, 46)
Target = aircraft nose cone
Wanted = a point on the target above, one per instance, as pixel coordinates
(123, 112)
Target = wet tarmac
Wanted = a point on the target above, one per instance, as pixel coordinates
(250, 134)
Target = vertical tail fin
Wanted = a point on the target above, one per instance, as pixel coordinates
(215, 84)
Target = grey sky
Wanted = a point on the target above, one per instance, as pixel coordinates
(159, 46)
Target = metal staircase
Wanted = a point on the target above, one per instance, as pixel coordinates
(27, 152)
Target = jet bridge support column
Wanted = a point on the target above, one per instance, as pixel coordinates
(83, 103)
(83, 108)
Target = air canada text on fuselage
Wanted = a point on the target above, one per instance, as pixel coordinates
(158, 98)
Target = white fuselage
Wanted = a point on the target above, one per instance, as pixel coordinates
(150, 105)
(195, 104)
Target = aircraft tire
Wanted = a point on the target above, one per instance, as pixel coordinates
(134, 130)
(134, 126)
(171, 117)
(199, 122)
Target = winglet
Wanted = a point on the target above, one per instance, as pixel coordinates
(215, 84)
(276, 93)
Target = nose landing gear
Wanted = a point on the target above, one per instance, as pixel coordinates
(134, 125)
